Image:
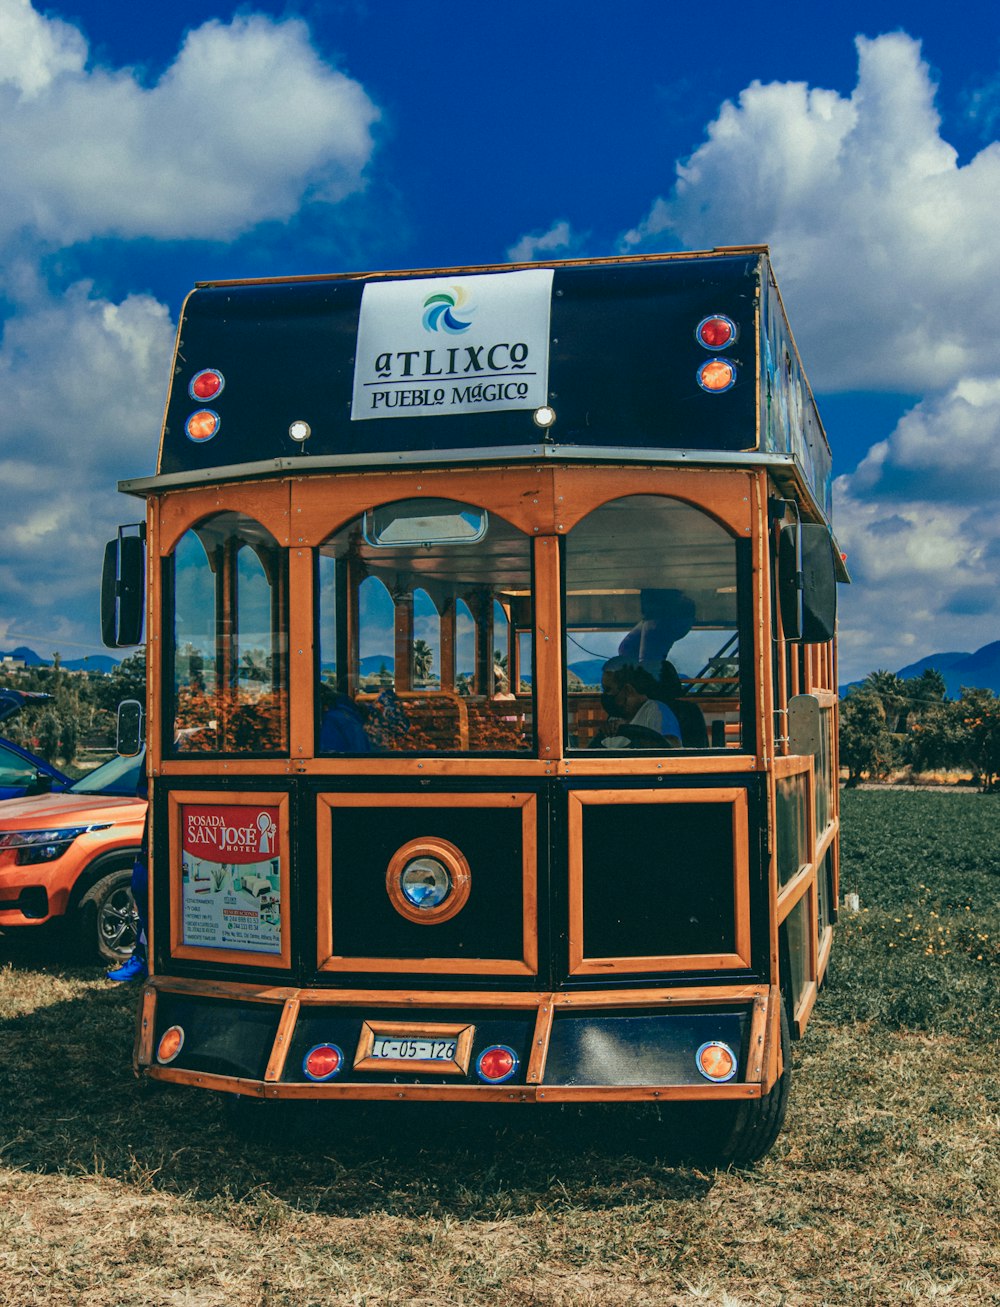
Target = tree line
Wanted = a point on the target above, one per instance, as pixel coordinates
(887, 723)
(80, 715)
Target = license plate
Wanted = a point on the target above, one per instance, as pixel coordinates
(414, 1050)
(441, 1048)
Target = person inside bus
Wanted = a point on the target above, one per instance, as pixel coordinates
(694, 732)
(342, 727)
(637, 718)
(666, 617)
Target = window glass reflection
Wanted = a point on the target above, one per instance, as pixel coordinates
(228, 653)
(421, 624)
(652, 645)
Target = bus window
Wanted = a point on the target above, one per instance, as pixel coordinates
(227, 659)
(421, 605)
(652, 583)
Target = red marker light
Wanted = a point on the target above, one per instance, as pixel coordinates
(496, 1064)
(322, 1062)
(205, 385)
(716, 332)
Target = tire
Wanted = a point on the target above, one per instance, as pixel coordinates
(733, 1133)
(108, 917)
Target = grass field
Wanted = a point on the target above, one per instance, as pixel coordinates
(883, 1188)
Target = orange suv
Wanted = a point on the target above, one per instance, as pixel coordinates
(69, 856)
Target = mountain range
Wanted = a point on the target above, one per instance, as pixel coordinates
(92, 663)
(959, 668)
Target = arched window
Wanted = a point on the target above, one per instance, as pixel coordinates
(227, 660)
(425, 588)
(652, 651)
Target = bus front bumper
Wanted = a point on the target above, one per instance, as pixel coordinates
(601, 1045)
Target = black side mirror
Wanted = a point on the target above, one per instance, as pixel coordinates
(123, 590)
(807, 582)
(41, 784)
(131, 728)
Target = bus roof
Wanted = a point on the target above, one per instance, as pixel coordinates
(583, 359)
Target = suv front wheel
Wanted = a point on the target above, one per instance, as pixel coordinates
(109, 922)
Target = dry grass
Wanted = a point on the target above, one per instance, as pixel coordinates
(882, 1189)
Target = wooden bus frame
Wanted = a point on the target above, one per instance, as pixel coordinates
(305, 969)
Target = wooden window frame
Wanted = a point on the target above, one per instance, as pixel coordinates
(582, 965)
(330, 962)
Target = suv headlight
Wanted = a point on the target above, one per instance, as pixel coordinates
(35, 846)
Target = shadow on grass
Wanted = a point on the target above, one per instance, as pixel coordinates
(71, 1105)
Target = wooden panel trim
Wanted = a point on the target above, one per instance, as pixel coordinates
(462, 1032)
(454, 1093)
(540, 1041)
(587, 1000)
(301, 655)
(825, 947)
(282, 1040)
(267, 502)
(579, 962)
(646, 1093)
(800, 884)
(756, 1042)
(793, 764)
(249, 798)
(826, 839)
(549, 725)
(722, 493)
(329, 961)
(145, 1025)
(772, 1041)
(521, 494)
(730, 764)
(804, 1007)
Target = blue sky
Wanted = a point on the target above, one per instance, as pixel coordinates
(142, 150)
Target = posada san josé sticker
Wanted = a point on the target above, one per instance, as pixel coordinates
(231, 877)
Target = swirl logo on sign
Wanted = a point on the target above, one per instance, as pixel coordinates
(440, 311)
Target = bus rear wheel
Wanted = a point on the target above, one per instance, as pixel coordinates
(734, 1133)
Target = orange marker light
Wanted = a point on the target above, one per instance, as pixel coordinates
(716, 375)
(202, 425)
(171, 1043)
(716, 1061)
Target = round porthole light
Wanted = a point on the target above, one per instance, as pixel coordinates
(428, 880)
(425, 882)
(544, 416)
(300, 431)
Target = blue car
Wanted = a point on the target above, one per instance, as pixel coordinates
(22, 772)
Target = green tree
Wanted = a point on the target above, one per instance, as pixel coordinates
(891, 690)
(866, 743)
(980, 711)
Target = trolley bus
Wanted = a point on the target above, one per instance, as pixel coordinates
(491, 726)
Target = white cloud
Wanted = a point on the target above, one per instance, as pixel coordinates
(558, 241)
(884, 245)
(35, 50)
(918, 519)
(83, 382)
(246, 124)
